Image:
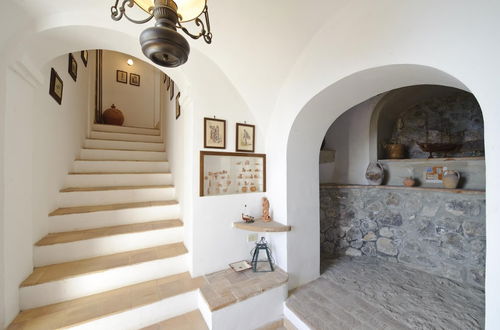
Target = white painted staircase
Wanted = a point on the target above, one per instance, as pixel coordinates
(114, 258)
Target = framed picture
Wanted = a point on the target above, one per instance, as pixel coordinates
(164, 78)
(72, 67)
(135, 79)
(214, 133)
(227, 173)
(177, 106)
(172, 88)
(84, 54)
(56, 86)
(245, 137)
(168, 82)
(121, 76)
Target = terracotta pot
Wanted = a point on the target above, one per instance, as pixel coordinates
(409, 182)
(395, 151)
(113, 116)
(451, 179)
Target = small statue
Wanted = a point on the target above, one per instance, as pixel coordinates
(265, 210)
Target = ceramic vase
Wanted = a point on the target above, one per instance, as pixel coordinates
(375, 174)
(113, 116)
(451, 179)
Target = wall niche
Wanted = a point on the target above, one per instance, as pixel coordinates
(419, 115)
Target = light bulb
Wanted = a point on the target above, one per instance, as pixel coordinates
(130, 62)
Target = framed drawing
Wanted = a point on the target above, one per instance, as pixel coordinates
(121, 76)
(56, 86)
(164, 78)
(84, 54)
(177, 106)
(172, 88)
(135, 79)
(168, 82)
(214, 133)
(245, 137)
(72, 67)
(225, 173)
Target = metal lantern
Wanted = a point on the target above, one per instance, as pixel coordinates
(261, 245)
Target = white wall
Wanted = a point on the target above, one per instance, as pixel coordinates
(137, 103)
(42, 140)
(349, 136)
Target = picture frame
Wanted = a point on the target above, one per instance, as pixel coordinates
(164, 78)
(84, 54)
(177, 106)
(56, 86)
(168, 82)
(229, 173)
(172, 90)
(121, 76)
(245, 137)
(72, 66)
(135, 79)
(214, 133)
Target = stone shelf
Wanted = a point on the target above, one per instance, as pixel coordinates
(260, 226)
(430, 160)
(451, 191)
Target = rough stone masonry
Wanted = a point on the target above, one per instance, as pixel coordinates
(442, 233)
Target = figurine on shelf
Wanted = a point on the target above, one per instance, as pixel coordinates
(265, 210)
(245, 217)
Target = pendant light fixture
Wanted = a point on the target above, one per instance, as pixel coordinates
(161, 43)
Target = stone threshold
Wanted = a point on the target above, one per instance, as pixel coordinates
(359, 186)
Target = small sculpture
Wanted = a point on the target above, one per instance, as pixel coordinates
(265, 210)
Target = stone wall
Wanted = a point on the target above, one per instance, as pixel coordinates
(442, 233)
(452, 119)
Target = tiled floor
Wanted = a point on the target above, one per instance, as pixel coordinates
(70, 269)
(227, 287)
(72, 236)
(74, 312)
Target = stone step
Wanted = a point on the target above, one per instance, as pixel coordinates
(125, 129)
(126, 145)
(113, 179)
(189, 321)
(75, 196)
(70, 280)
(125, 137)
(126, 166)
(129, 307)
(75, 245)
(113, 154)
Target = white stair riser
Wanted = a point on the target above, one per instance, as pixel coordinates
(116, 180)
(79, 198)
(146, 315)
(109, 144)
(58, 253)
(88, 284)
(122, 154)
(125, 129)
(119, 166)
(79, 221)
(125, 137)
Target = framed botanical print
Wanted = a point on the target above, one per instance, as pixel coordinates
(56, 86)
(84, 54)
(245, 137)
(214, 133)
(172, 88)
(135, 79)
(121, 76)
(72, 67)
(177, 106)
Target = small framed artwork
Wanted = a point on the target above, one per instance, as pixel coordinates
(168, 82)
(84, 54)
(177, 106)
(172, 87)
(214, 133)
(245, 137)
(135, 79)
(164, 78)
(56, 86)
(72, 67)
(121, 76)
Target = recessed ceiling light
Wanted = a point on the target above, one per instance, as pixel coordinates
(130, 61)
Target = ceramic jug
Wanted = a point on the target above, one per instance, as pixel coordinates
(375, 174)
(451, 179)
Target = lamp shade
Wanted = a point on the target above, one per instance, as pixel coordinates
(188, 10)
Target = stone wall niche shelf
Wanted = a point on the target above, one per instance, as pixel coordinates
(259, 226)
(451, 191)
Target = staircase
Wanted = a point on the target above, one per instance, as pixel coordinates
(114, 257)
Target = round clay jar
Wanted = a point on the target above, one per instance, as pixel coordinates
(113, 116)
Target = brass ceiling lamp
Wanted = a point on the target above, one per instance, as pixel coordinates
(162, 44)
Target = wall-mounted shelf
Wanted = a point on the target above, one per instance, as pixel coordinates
(451, 191)
(431, 160)
(260, 226)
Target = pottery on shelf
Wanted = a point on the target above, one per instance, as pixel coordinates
(451, 179)
(113, 116)
(265, 210)
(409, 182)
(395, 151)
(375, 174)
